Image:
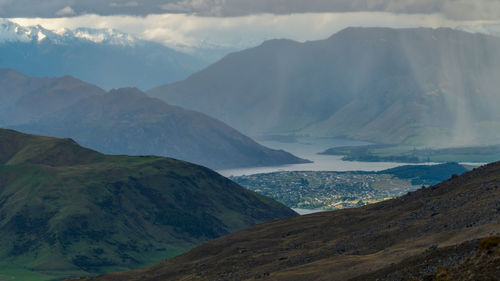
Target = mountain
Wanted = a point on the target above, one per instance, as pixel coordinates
(107, 58)
(66, 210)
(25, 99)
(345, 244)
(435, 87)
(126, 121)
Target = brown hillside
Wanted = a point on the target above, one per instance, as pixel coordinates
(344, 244)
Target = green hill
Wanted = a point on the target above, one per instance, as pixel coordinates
(426, 174)
(66, 210)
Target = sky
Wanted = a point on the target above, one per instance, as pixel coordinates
(183, 24)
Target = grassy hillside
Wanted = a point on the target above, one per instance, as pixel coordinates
(66, 210)
(348, 243)
(475, 260)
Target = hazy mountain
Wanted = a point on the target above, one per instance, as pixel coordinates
(344, 244)
(420, 86)
(25, 99)
(66, 210)
(107, 58)
(126, 121)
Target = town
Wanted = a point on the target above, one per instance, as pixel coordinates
(327, 190)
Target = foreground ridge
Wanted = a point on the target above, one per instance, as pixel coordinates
(70, 211)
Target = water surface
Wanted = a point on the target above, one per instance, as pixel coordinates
(308, 148)
(307, 211)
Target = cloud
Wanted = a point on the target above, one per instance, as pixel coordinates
(126, 4)
(66, 11)
(204, 7)
(451, 9)
(185, 31)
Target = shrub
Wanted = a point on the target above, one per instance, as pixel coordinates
(489, 242)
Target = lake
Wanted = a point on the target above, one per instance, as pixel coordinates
(308, 148)
(307, 211)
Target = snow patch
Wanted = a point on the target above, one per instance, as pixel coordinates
(41, 36)
(13, 32)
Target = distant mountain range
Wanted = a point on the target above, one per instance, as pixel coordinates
(420, 236)
(432, 87)
(107, 58)
(69, 211)
(126, 121)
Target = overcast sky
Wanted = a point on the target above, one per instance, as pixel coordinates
(242, 23)
(452, 9)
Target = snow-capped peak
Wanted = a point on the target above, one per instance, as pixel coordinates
(108, 36)
(13, 32)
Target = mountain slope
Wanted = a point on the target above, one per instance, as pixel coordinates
(68, 210)
(125, 121)
(470, 261)
(104, 57)
(422, 86)
(344, 244)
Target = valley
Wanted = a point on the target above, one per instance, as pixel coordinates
(360, 155)
(326, 190)
(351, 243)
(338, 190)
